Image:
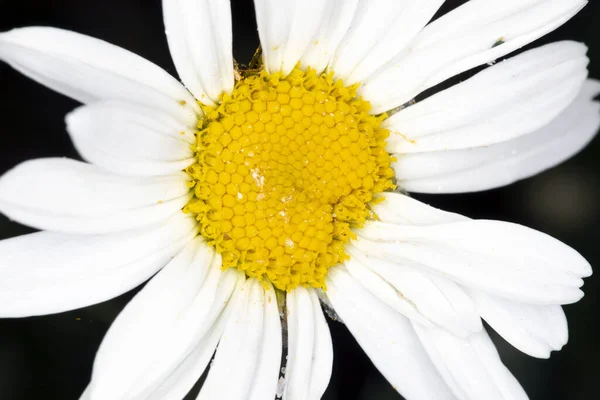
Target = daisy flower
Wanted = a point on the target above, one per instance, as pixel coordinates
(254, 196)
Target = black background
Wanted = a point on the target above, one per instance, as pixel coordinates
(50, 357)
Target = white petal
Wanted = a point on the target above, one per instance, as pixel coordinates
(178, 384)
(146, 321)
(380, 31)
(494, 256)
(286, 27)
(86, 394)
(162, 325)
(301, 336)
(47, 272)
(391, 295)
(535, 330)
(70, 196)
(510, 99)
(432, 299)
(411, 290)
(266, 371)
(337, 16)
(205, 319)
(131, 140)
(246, 365)
(401, 209)
(386, 337)
(322, 359)
(462, 39)
(89, 70)
(185, 376)
(310, 352)
(504, 163)
(471, 367)
(200, 40)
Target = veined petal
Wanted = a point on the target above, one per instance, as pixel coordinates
(507, 100)
(48, 272)
(286, 27)
(380, 31)
(310, 352)
(420, 295)
(200, 40)
(301, 335)
(128, 139)
(147, 319)
(266, 373)
(408, 287)
(535, 330)
(497, 165)
(70, 196)
(477, 32)
(497, 257)
(337, 16)
(322, 359)
(178, 384)
(89, 70)
(380, 288)
(387, 337)
(163, 325)
(401, 209)
(249, 352)
(471, 367)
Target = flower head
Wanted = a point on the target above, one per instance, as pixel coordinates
(257, 194)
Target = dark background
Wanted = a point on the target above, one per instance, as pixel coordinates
(51, 357)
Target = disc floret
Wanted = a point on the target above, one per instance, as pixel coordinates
(286, 166)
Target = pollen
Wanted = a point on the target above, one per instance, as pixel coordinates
(286, 167)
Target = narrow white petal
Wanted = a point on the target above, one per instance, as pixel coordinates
(301, 336)
(185, 376)
(246, 365)
(322, 359)
(232, 369)
(401, 209)
(70, 196)
(101, 224)
(47, 272)
(310, 352)
(535, 330)
(286, 27)
(387, 337)
(433, 300)
(163, 324)
(380, 31)
(471, 367)
(131, 140)
(269, 359)
(504, 163)
(507, 100)
(494, 256)
(406, 286)
(505, 381)
(337, 16)
(146, 321)
(178, 384)
(200, 40)
(89, 70)
(392, 296)
(477, 32)
(203, 321)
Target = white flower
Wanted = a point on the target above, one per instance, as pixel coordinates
(418, 280)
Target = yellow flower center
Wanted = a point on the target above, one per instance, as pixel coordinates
(286, 166)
